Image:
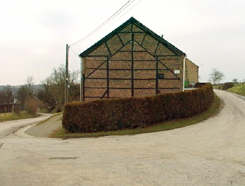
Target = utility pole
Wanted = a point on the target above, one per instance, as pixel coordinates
(81, 79)
(67, 75)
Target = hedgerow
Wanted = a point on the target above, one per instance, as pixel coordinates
(133, 112)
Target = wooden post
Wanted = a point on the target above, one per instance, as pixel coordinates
(81, 79)
(67, 74)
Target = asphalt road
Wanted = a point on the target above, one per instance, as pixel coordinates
(211, 153)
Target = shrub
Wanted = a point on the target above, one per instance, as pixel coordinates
(16, 109)
(126, 113)
(227, 85)
(31, 105)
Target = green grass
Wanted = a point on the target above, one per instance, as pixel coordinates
(168, 125)
(14, 116)
(238, 89)
(43, 110)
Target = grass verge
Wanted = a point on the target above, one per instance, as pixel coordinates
(167, 125)
(51, 117)
(238, 89)
(14, 116)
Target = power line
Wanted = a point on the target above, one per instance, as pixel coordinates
(124, 6)
(74, 53)
(107, 20)
(122, 10)
(126, 11)
(118, 12)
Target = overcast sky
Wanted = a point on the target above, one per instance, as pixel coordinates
(33, 34)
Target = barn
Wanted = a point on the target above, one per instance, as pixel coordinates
(132, 61)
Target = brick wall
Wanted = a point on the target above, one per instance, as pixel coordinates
(142, 60)
(191, 72)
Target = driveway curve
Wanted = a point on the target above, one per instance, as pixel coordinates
(209, 153)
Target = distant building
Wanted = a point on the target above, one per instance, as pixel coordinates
(132, 60)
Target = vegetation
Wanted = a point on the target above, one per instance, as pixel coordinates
(31, 105)
(51, 92)
(26, 101)
(16, 116)
(56, 116)
(224, 86)
(47, 97)
(213, 110)
(235, 80)
(25, 92)
(238, 89)
(216, 76)
(227, 85)
(6, 95)
(134, 112)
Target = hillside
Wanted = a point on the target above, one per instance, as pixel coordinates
(16, 87)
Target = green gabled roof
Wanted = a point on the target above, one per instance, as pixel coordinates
(141, 26)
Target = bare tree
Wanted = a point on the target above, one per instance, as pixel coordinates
(235, 80)
(25, 91)
(6, 95)
(52, 90)
(216, 76)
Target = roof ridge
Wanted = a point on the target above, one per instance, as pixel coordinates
(132, 20)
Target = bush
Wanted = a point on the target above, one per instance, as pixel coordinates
(31, 105)
(126, 113)
(227, 85)
(16, 109)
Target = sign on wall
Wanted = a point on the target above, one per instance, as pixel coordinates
(177, 71)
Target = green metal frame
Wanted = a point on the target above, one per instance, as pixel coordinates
(146, 30)
(176, 53)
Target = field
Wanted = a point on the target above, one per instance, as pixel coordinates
(238, 89)
(14, 116)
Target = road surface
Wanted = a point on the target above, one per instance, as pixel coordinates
(211, 153)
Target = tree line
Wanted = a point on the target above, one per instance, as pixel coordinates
(48, 96)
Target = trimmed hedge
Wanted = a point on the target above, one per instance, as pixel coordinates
(126, 113)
